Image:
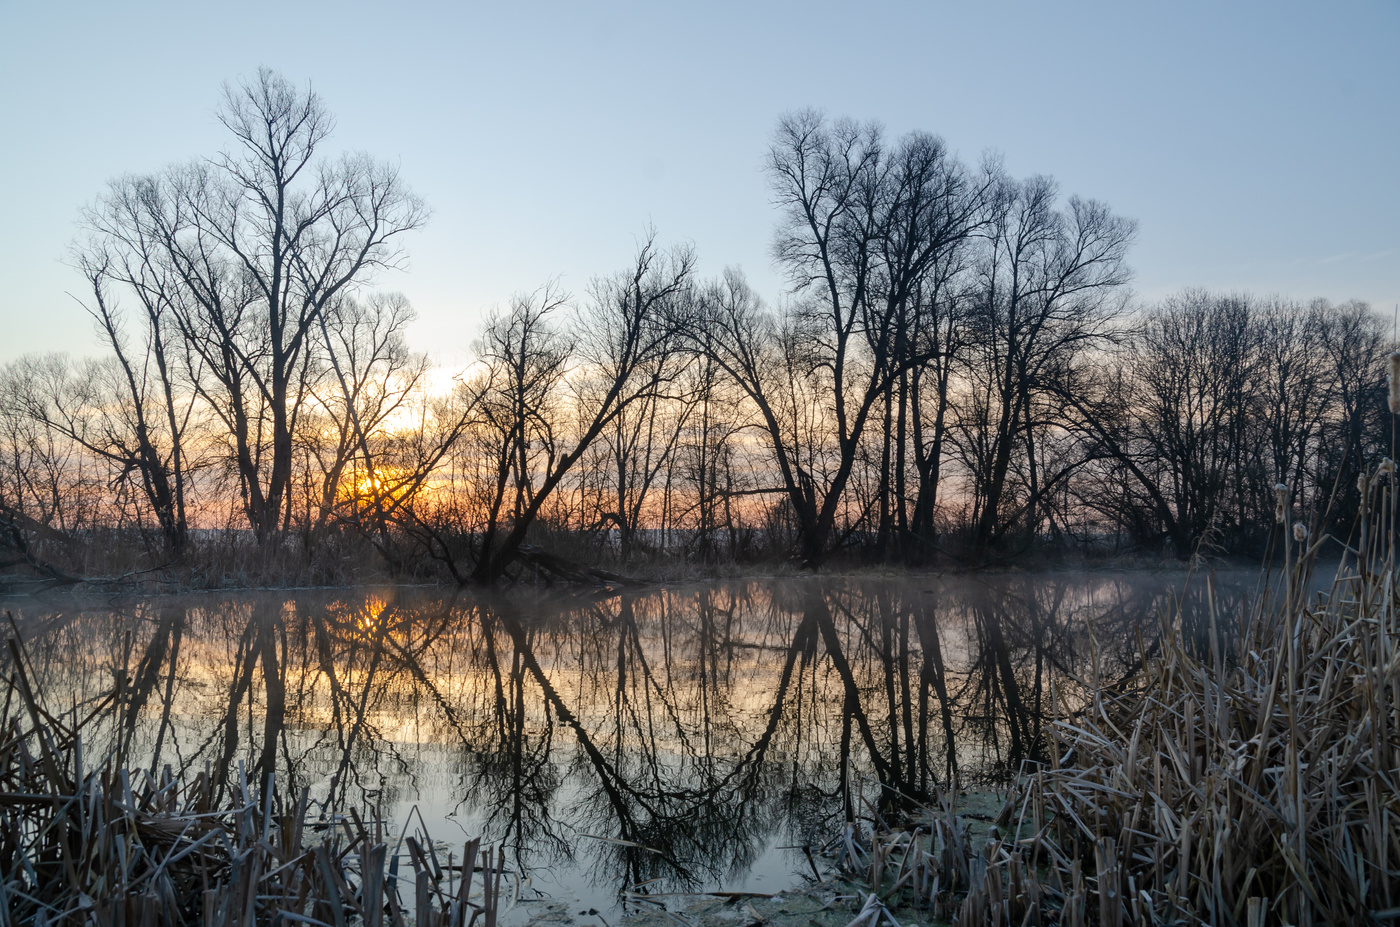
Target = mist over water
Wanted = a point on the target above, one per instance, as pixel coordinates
(689, 734)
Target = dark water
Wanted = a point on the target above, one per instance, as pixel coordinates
(687, 734)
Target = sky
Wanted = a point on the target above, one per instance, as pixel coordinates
(1256, 143)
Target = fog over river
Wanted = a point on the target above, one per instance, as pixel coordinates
(693, 734)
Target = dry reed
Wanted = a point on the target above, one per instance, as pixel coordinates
(1255, 783)
(107, 846)
(927, 865)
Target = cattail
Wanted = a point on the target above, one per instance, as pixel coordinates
(1281, 505)
(1386, 468)
(1361, 481)
(1393, 378)
(1300, 532)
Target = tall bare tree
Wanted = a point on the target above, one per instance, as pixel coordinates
(617, 354)
(1052, 283)
(152, 383)
(253, 247)
(865, 229)
(374, 379)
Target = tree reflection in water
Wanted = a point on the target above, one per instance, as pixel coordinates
(689, 728)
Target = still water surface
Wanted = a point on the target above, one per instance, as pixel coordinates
(690, 734)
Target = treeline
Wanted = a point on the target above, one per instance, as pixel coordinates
(957, 372)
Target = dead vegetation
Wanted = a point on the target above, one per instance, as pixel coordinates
(1248, 776)
(90, 841)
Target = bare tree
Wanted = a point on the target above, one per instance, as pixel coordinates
(1358, 428)
(1295, 382)
(152, 389)
(865, 232)
(103, 408)
(252, 249)
(1052, 284)
(51, 488)
(951, 353)
(709, 458)
(526, 358)
(1177, 418)
(641, 440)
(618, 360)
(375, 378)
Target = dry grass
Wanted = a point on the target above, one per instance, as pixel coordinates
(104, 845)
(1255, 783)
(925, 866)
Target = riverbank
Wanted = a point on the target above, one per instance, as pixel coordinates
(604, 575)
(1251, 779)
(232, 560)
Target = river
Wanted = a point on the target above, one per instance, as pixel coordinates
(678, 737)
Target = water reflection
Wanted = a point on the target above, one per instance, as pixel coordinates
(671, 734)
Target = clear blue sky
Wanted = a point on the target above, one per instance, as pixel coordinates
(1256, 143)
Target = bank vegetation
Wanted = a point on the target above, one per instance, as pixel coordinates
(957, 373)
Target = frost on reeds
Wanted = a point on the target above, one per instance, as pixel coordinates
(86, 843)
(1255, 784)
(1252, 780)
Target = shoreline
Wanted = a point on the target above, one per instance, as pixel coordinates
(110, 588)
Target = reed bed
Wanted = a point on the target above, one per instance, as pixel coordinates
(85, 843)
(1246, 776)
(927, 865)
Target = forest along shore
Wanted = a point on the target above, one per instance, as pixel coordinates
(955, 375)
(603, 571)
